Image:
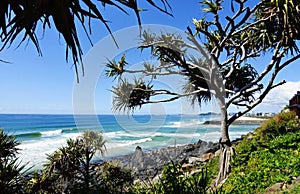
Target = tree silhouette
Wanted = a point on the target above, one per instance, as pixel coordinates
(22, 19)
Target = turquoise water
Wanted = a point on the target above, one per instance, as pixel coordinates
(42, 134)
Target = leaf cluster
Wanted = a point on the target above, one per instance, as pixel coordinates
(115, 179)
(129, 96)
(22, 18)
(11, 171)
(284, 21)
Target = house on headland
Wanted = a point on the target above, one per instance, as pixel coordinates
(294, 104)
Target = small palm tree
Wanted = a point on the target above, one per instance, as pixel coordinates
(70, 165)
(11, 171)
(91, 142)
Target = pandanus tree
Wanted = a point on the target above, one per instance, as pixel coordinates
(231, 44)
(71, 165)
(11, 171)
(20, 20)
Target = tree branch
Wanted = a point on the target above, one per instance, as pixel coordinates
(254, 104)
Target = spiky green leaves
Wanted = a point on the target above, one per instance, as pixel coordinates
(94, 141)
(8, 146)
(115, 69)
(212, 6)
(69, 158)
(129, 96)
(283, 22)
(70, 165)
(239, 78)
(21, 18)
(11, 175)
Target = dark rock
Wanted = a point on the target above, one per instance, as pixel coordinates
(148, 164)
(189, 148)
(207, 147)
(137, 158)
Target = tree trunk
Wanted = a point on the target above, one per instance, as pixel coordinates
(224, 164)
(226, 150)
(87, 168)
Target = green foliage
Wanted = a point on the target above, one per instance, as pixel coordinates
(272, 155)
(284, 21)
(11, 171)
(129, 96)
(175, 180)
(140, 94)
(69, 168)
(115, 68)
(21, 18)
(280, 124)
(172, 180)
(115, 179)
(240, 78)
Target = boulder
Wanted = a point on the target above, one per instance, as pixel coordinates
(206, 157)
(149, 164)
(207, 147)
(137, 158)
(188, 148)
(194, 160)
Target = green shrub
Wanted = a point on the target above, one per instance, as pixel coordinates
(270, 156)
(280, 124)
(115, 179)
(11, 171)
(174, 180)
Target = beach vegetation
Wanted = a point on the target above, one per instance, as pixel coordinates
(69, 169)
(175, 180)
(115, 179)
(269, 156)
(229, 43)
(11, 170)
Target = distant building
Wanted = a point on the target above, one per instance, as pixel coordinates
(295, 104)
(269, 114)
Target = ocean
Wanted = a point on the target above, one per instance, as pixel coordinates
(42, 134)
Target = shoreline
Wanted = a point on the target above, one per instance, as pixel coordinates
(240, 121)
(149, 164)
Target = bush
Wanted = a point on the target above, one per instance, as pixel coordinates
(280, 124)
(174, 180)
(115, 179)
(11, 172)
(272, 155)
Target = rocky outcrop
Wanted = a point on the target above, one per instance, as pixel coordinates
(236, 122)
(150, 163)
(282, 186)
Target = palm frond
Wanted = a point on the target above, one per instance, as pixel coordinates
(122, 95)
(20, 18)
(115, 68)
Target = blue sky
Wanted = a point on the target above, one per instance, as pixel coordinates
(44, 84)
